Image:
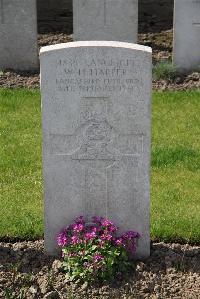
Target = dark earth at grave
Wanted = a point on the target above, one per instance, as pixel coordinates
(162, 50)
(172, 271)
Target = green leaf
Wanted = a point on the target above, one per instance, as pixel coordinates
(94, 247)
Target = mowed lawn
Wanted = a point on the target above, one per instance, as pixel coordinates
(175, 182)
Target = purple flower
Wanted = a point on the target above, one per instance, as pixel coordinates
(109, 225)
(101, 232)
(97, 258)
(70, 228)
(112, 228)
(106, 237)
(94, 229)
(78, 228)
(128, 240)
(90, 236)
(106, 223)
(62, 239)
(97, 220)
(130, 235)
(75, 240)
(119, 242)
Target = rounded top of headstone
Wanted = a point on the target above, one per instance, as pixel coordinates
(85, 44)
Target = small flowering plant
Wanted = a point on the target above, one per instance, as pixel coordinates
(94, 251)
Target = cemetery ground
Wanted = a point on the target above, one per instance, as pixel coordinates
(165, 76)
(173, 269)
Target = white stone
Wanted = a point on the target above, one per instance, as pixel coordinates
(186, 52)
(96, 99)
(18, 35)
(112, 20)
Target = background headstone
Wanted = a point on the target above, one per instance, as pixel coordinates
(186, 52)
(114, 20)
(57, 15)
(18, 35)
(96, 135)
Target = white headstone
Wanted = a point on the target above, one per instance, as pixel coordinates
(186, 52)
(18, 35)
(114, 20)
(96, 99)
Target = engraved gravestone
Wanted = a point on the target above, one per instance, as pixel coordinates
(96, 135)
(106, 20)
(186, 52)
(18, 35)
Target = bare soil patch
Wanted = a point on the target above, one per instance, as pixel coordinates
(172, 271)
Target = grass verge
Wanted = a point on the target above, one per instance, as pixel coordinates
(20, 164)
(165, 71)
(175, 183)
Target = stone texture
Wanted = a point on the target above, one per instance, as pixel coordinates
(96, 135)
(186, 53)
(58, 15)
(114, 20)
(18, 35)
(55, 16)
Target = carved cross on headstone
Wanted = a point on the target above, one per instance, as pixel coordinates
(97, 151)
(1, 12)
(96, 158)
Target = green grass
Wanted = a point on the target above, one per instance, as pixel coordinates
(175, 188)
(20, 164)
(165, 71)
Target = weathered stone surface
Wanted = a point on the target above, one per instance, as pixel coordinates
(114, 20)
(18, 35)
(186, 53)
(58, 15)
(96, 135)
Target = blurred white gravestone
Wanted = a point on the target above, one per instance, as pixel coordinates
(96, 100)
(186, 52)
(114, 20)
(18, 35)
